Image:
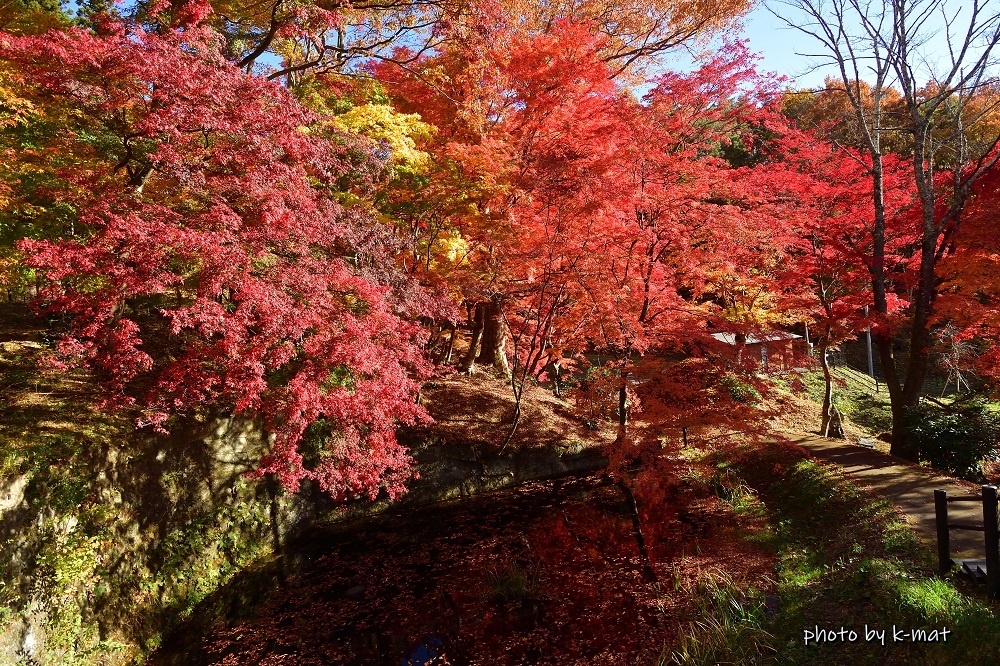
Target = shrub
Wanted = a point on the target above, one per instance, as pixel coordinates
(741, 391)
(955, 440)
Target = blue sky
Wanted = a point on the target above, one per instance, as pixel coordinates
(778, 44)
(780, 47)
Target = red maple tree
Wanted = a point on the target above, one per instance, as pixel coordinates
(211, 263)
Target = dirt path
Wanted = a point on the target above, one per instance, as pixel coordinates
(909, 487)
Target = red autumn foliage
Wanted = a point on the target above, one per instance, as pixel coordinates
(224, 251)
(971, 272)
(212, 265)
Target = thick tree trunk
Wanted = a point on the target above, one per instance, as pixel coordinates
(494, 347)
(923, 302)
(835, 428)
(909, 394)
(469, 362)
(898, 445)
(883, 343)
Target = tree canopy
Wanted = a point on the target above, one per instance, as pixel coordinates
(283, 209)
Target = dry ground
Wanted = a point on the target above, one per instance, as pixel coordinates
(478, 409)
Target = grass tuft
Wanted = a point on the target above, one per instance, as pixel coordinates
(514, 583)
(730, 626)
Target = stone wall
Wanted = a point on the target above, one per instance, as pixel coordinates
(109, 542)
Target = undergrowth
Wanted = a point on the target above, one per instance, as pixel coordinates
(730, 625)
(845, 560)
(866, 409)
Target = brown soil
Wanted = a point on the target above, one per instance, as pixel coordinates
(479, 410)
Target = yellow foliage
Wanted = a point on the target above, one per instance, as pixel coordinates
(831, 110)
(635, 31)
(13, 274)
(14, 109)
(32, 17)
(453, 248)
(400, 132)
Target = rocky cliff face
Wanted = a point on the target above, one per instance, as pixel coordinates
(107, 543)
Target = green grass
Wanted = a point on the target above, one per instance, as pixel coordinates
(514, 583)
(730, 625)
(844, 559)
(862, 406)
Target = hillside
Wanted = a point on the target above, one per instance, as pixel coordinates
(111, 535)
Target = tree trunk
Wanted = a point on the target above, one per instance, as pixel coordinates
(835, 428)
(469, 362)
(923, 301)
(640, 540)
(434, 338)
(494, 346)
(883, 342)
(827, 393)
(514, 422)
(446, 352)
(898, 446)
(622, 411)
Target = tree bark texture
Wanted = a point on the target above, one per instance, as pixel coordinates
(494, 338)
(469, 362)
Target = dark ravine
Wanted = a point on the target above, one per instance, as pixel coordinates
(109, 537)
